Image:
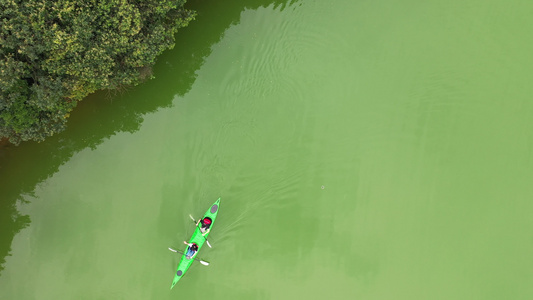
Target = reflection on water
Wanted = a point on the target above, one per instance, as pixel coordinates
(102, 115)
(360, 151)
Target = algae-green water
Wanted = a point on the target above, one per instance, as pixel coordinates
(361, 150)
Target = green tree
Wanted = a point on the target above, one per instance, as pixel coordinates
(53, 53)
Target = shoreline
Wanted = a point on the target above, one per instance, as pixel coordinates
(4, 142)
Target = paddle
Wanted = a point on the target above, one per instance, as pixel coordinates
(203, 262)
(192, 218)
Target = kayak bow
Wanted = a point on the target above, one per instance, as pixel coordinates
(197, 238)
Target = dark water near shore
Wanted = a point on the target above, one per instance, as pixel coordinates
(361, 150)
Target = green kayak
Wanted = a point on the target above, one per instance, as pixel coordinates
(199, 240)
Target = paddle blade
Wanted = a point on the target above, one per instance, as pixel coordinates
(172, 250)
(204, 263)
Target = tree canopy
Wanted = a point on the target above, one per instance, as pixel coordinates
(53, 53)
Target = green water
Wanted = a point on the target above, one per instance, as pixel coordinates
(362, 150)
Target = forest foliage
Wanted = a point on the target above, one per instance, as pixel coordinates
(53, 53)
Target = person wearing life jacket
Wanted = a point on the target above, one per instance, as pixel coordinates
(205, 225)
(191, 250)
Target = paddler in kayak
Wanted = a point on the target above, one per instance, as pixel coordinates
(206, 223)
(191, 250)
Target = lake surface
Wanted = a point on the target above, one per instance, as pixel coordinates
(361, 149)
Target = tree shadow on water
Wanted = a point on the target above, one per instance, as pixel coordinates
(102, 115)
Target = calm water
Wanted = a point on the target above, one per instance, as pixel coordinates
(362, 150)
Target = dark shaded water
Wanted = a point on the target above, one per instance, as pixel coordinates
(377, 151)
